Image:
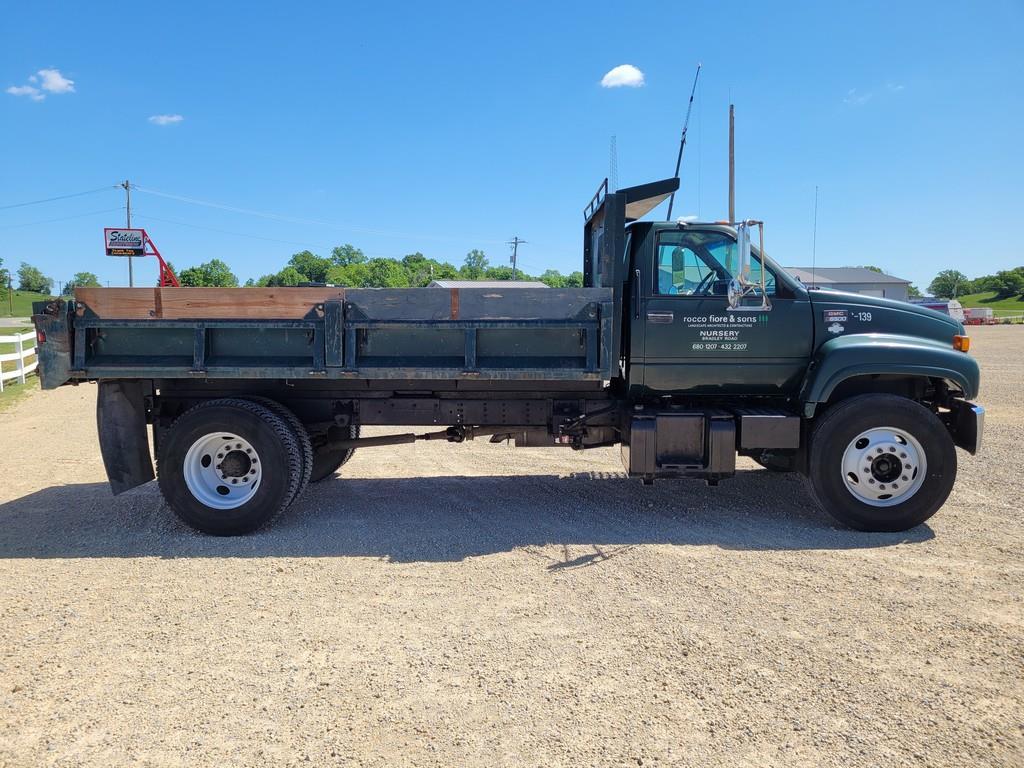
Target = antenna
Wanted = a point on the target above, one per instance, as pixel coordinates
(682, 138)
(613, 166)
(700, 149)
(732, 163)
(814, 237)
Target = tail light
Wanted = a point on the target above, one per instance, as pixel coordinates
(40, 337)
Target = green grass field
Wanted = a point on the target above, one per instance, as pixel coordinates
(22, 303)
(9, 346)
(988, 299)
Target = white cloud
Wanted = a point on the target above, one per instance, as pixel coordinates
(26, 90)
(165, 119)
(50, 80)
(856, 98)
(55, 82)
(623, 75)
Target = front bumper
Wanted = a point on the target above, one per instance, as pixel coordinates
(966, 423)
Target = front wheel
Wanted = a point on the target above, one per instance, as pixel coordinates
(881, 463)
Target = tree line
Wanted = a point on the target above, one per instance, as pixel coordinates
(349, 267)
(950, 283)
(346, 266)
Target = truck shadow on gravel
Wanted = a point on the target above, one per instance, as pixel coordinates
(446, 519)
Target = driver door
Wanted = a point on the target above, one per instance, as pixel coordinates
(693, 342)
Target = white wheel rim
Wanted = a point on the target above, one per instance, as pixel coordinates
(222, 470)
(884, 466)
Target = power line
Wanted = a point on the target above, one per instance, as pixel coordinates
(59, 197)
(304, 244)
(149, 217)
(299, 220)
(62, 218)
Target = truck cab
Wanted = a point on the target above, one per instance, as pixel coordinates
(724, 352)
(686, 339)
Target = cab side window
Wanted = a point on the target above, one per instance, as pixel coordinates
(696, 263)
(681, 272)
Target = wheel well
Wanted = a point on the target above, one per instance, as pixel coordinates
(922, 389)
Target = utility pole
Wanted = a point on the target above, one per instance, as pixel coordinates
(515, 242)
(732, 163)
(128, 216)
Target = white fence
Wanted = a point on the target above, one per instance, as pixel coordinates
(20, 353)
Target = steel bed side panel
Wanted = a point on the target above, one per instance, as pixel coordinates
(384, 334)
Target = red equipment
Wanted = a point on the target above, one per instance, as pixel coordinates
(167, 276)
(126, 242)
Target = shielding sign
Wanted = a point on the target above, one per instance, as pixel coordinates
(124, 242)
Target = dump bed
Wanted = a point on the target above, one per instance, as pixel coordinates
(531, 334)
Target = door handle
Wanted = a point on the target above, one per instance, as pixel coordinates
(661, 317)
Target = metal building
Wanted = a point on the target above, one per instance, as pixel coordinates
(853, 279)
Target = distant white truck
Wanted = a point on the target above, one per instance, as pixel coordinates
(979, 316)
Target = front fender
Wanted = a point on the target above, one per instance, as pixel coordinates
(864, 354)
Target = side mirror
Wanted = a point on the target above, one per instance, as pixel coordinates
(678, 259)
(743, 249)
(740, 286)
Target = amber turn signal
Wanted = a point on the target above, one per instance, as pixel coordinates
(962, 343)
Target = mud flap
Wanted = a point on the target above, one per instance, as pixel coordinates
(121, 423)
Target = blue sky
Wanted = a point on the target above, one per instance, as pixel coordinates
(445, 127)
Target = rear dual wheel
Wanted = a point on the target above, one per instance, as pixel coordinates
(232, 465)
(326, 460)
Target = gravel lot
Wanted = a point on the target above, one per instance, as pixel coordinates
(478, 605)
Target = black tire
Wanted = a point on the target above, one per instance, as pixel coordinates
(838, 429)
(272, 440)
(301, 437)
(326, 461)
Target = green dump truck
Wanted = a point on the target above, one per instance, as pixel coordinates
(687, 346)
